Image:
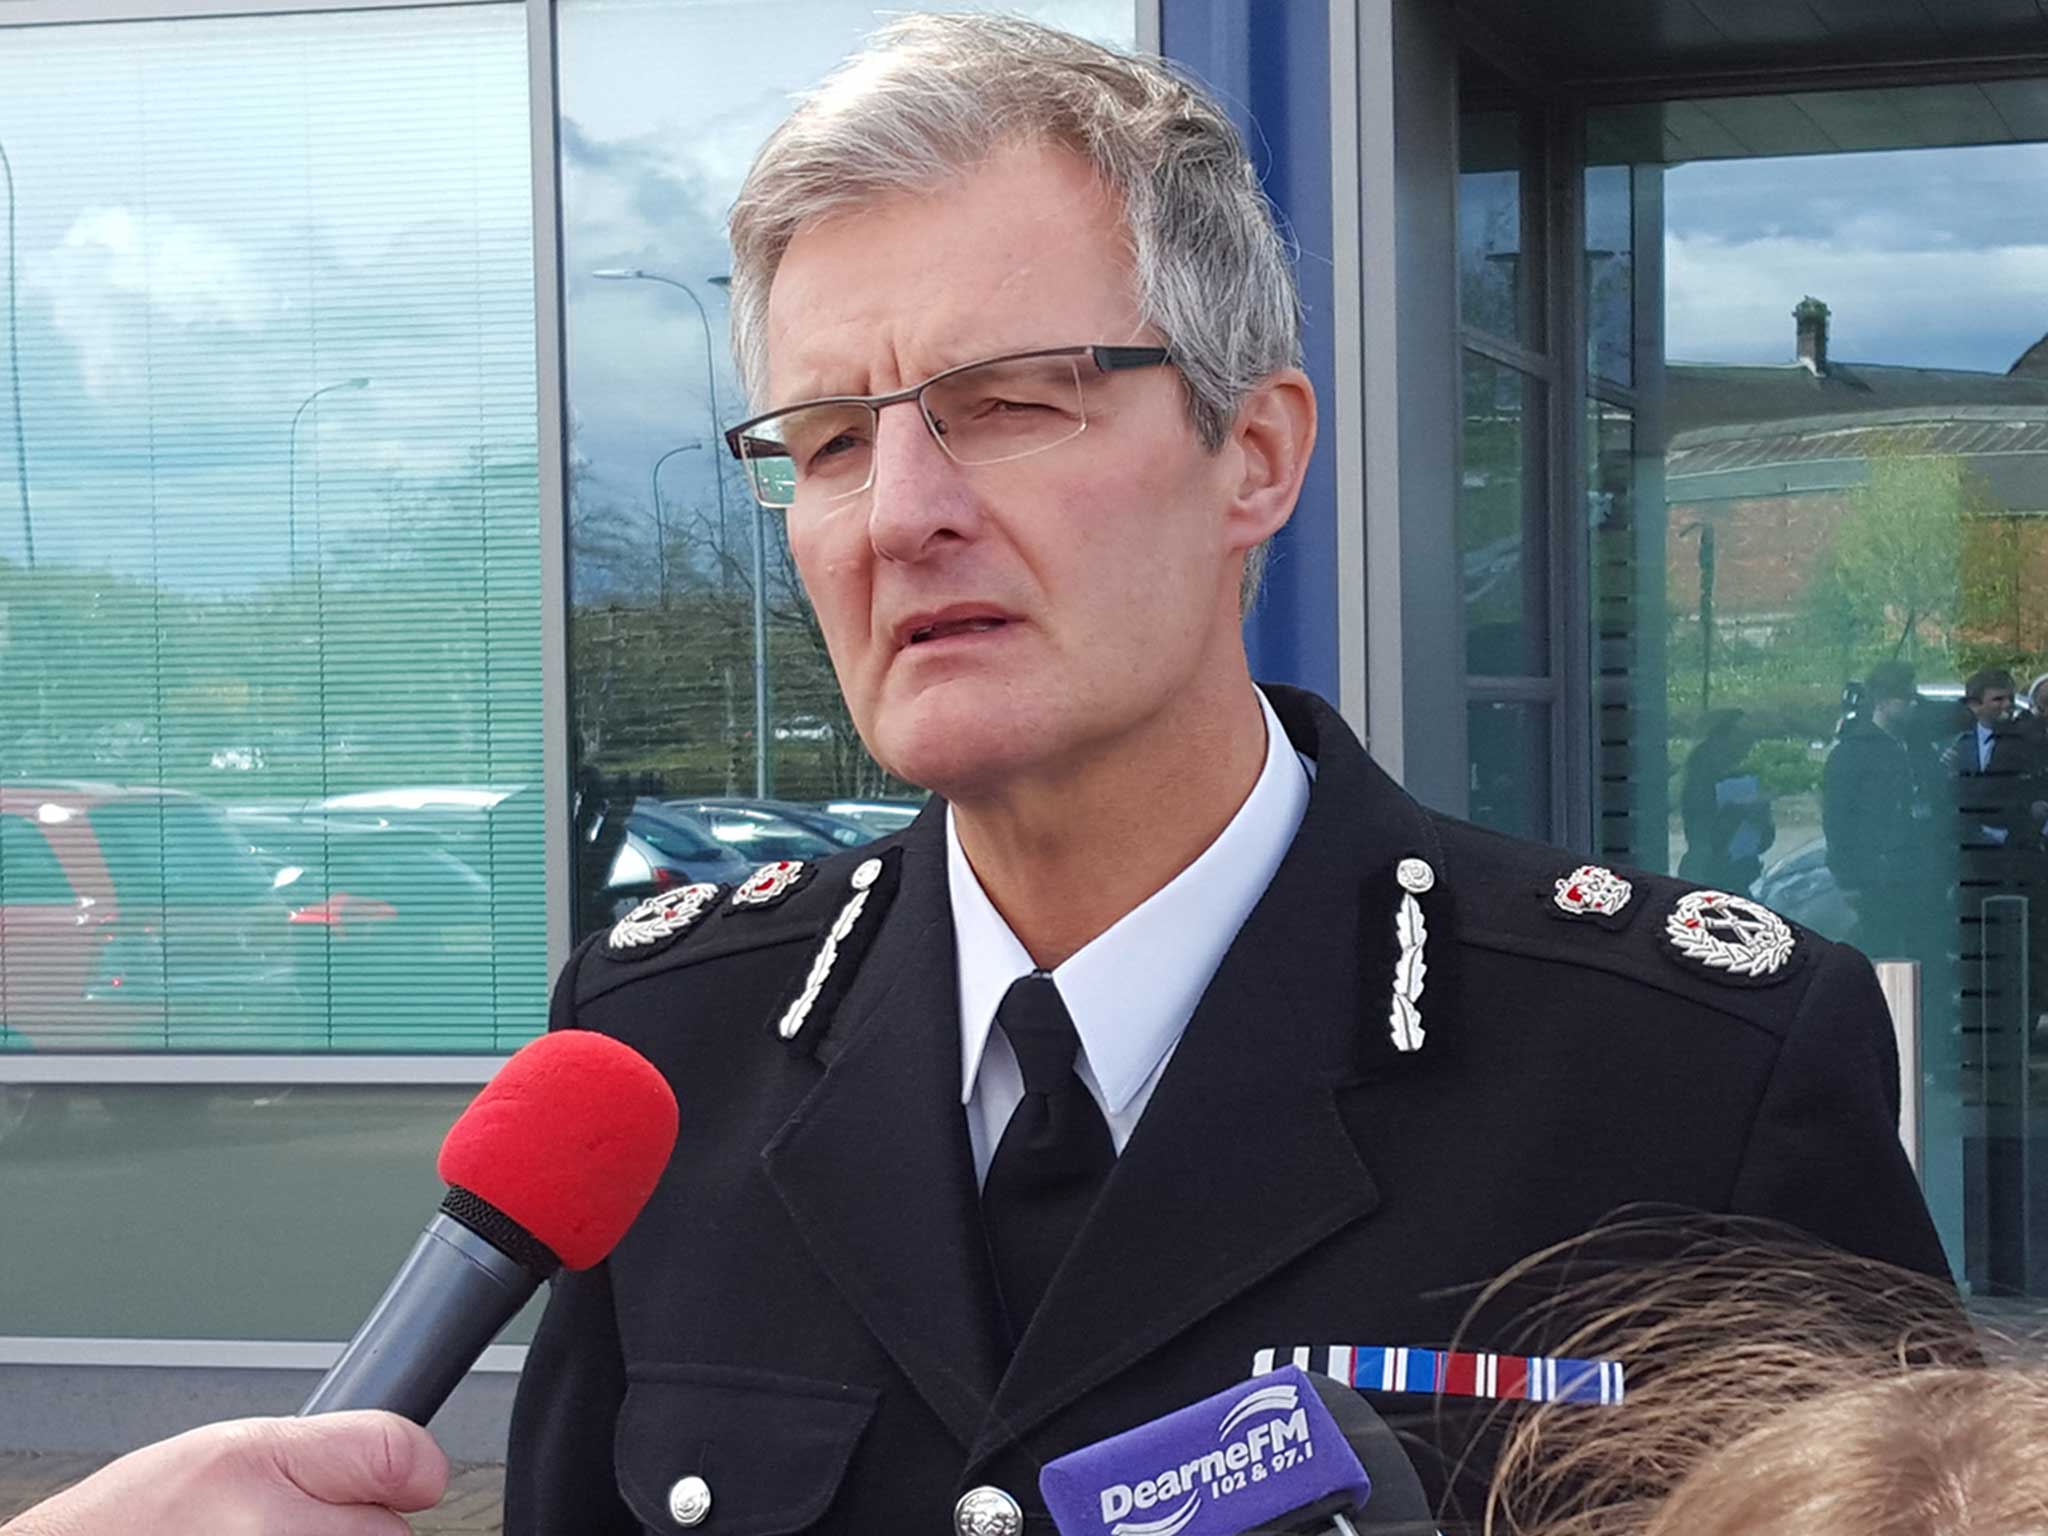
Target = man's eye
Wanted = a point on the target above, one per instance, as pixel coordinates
(835, 448)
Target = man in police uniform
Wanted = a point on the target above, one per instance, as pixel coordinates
(1173, 1033)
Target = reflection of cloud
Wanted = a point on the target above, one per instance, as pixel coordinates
(1731, 300)
(1929, 257)
(1900, 199)
(110, 261)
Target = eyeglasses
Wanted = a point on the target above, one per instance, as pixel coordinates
(989, 412)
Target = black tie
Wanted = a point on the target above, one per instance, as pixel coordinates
(1054, 1154)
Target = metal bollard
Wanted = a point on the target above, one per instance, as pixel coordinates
(1899, 980)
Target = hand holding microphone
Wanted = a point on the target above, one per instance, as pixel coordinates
(548, 1166)
(342, 1475)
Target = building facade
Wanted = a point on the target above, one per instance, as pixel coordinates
(379, 611)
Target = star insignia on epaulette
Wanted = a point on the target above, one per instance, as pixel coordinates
(659, 921)
(1730, 933)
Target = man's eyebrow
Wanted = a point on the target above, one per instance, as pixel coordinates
(810, 387)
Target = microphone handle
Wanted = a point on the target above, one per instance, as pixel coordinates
(450, 1298)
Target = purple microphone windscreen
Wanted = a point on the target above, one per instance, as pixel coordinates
(1231, 1462)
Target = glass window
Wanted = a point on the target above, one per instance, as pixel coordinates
(1628, 801)
(30, 874)
(1502, 522)
(671, 836)
(1610, 276)
(673, 571)
(1814, 532)
(336, 1180)
(1500, 257)
(269, 530)
(1510, 756)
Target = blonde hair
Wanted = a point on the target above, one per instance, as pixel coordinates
(933, 96)
(1775, 1388)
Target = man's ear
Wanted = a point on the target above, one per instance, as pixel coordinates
(1274, 431)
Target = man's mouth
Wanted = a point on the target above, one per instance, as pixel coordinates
(950, 627)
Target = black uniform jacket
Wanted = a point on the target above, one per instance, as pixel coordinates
(804, 1315)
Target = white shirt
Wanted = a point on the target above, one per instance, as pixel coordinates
(1131, 989)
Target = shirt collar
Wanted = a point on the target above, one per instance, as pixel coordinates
(1127, 1006)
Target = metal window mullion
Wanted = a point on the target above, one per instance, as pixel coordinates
(1603, 389)
(1572, 737)
(550, 401)
(1146, 25)
(1799, 79)
(1508, 354)
(58, 13)
(1347, 408)
(171, 1069)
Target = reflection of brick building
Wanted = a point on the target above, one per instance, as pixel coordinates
(1769, 458)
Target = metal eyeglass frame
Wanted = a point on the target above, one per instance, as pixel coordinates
(1108, 359)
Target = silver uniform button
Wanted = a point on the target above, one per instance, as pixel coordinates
(988, 1511)
(689, 1501)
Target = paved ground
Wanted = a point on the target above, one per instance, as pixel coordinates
(470, 1509)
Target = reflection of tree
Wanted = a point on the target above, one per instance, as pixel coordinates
(1895, 573)
(410, 652)
(663, 695)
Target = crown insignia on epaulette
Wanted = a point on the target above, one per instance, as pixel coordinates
(1593, 891)
(770, 885)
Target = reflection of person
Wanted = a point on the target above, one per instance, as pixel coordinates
(1878, 815)
(1172, 1031)
(340, 1474)
(599, 819)
(2037, 702)
(1998, 773)
(1726, 814)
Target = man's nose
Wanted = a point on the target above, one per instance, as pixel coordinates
(919, 498)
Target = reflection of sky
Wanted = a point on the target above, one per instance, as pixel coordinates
(663, 105)
(216, 218)
(1933, 257)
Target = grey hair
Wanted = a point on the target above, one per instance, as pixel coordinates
(932, 96)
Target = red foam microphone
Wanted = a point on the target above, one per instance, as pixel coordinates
(548, 1166)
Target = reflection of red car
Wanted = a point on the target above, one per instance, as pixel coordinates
(133, 917)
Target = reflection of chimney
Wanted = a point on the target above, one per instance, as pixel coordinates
(1812, 318)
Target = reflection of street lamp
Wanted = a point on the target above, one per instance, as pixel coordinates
(661, 522)
(28, 527)
(291, 506)
(640, 274)
(1705, 530)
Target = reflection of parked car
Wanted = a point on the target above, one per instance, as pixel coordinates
(1802, 887)
(764, 830)
(358, 879)
(126, 913)
(885, 816)
(804, 728)
(665, 848)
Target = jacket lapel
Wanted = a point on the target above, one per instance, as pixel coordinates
(875, 1166)
(1241, 1161)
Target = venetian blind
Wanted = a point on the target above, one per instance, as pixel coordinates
(270, 717)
